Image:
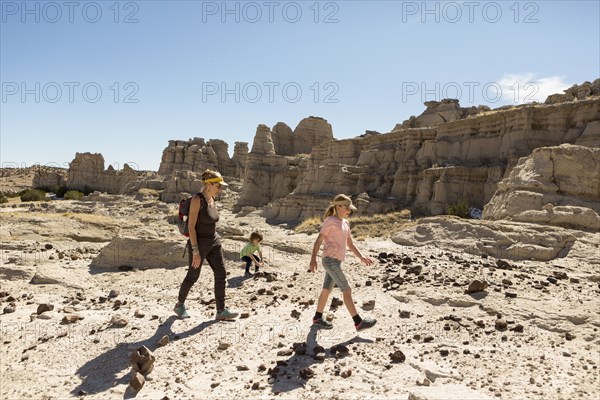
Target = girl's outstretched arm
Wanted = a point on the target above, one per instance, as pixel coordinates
(357, 253)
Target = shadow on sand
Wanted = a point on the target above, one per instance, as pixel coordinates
(112, 368)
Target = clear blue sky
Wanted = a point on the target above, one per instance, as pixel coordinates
(161, 67)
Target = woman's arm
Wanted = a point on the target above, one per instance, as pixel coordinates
(192, 219)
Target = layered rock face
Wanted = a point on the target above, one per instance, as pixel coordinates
(197, 155)
(86, 172)
(554, 185)
(576, 92)
(277, 158)
(428, 169)
(309, 133)
(268, 176)
(440, 112)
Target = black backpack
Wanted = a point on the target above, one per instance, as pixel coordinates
(184, 213)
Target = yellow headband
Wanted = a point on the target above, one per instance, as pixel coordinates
(214, 180)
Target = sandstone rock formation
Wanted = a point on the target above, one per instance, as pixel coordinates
(86, 173)
(277, 159)
(440, 112)
(240, 155)
(554, 186)
(268, 176)
(576, 92)
(196, 155)
(428, 169)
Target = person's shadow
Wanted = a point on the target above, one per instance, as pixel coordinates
(113, 367)
(238, 281)
(288, 378)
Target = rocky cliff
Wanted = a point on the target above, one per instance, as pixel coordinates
(553, 186)
(86, 173)
(197, 155)
(428, 169)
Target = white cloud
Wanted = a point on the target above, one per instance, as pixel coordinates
(528, 87)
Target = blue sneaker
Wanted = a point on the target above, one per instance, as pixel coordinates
(181, 311)
(322, 324)
(366, 323)
(225, 315)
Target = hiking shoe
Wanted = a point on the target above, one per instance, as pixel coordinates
(181, 311)
(322, 324)
(225, 315)
(247, 273)
(366, 323)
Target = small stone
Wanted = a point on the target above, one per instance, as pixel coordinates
(397, 357)
(119, 320)
(163, 341)
(560, 275)
(223, 345)
(242, 368)
(510, 295)
(71, 318)
(139, 314)
(444, 352)
(500, 324)
(368, 305)
(346, 374)
(214, 384)
(113, 293)
(44, 307)
(285, 352)
(404, 314)
(306, 373)
(295, 314)
(9, 309)
(244, 315)
(137, 381)
(569, 336)
(477, 286)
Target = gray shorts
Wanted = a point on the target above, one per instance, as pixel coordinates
(334, 274)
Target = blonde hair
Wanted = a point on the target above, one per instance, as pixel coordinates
(209, 173)
(331, 210)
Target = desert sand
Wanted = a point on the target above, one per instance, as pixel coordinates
(532, 333)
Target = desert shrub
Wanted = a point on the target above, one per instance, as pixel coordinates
(3, 198)
(460, 209)
(73, 195)
(33, 195)
(309, 226)
(60, 191)
(378, 225)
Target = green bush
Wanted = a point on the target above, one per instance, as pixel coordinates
(460, 209)
(73, 195)
(33, 195)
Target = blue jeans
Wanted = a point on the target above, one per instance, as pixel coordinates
(334, 274)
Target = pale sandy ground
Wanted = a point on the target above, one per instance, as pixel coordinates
(45, 359)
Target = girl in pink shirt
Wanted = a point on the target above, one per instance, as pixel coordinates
(335, 234)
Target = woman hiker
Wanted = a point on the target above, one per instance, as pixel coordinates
(205, 244)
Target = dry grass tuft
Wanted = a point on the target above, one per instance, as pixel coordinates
(378, 225)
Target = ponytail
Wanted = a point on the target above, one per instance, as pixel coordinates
(329, 212)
